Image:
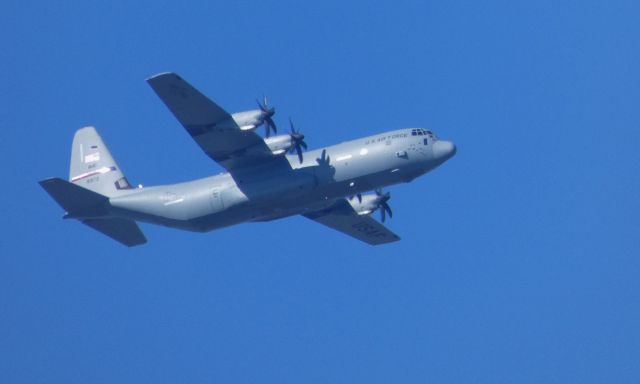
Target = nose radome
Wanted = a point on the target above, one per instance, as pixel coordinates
(444, 149)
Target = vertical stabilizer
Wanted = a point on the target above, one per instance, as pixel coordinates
(92, 166)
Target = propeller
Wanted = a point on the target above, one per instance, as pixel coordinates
(297, 140)
(383, 198)
(267, 114)
(358, 195)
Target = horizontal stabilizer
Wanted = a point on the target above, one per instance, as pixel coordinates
(82, 203)
(124, 231)
(72, 198)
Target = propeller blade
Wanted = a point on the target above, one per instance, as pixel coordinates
(298, 140)
(267, 129)
(383, 206)
(291, 126)
(270, 125)
(299, 153)
(264, 105)
(388, 209)
(359, 196)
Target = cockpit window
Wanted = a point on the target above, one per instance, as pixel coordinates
(423, 132)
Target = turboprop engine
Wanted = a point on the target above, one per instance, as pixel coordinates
(293, 142)
(367, 204)
(250, 120)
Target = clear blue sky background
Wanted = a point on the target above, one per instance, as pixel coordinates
(520, 256)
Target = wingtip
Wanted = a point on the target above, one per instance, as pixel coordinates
(162, 75)
(87, 129)
(43, 183)
(136, 244)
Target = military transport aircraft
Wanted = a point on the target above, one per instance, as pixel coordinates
(262, 181)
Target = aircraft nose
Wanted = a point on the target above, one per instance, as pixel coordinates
(444, 149)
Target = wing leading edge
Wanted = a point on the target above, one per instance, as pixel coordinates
(342, 217)
(212, 127)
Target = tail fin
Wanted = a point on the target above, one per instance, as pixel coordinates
(88, 206)
(92, 166)
(94, 177)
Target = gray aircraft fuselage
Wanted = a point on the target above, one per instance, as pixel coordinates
(325, 175)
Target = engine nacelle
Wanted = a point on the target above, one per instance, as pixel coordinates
(280, 144)
(368, 204)
(248, 120)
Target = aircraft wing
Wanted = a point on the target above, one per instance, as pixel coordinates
(212, 127)
(342, 217)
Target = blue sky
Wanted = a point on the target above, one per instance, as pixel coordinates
(519, 259)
